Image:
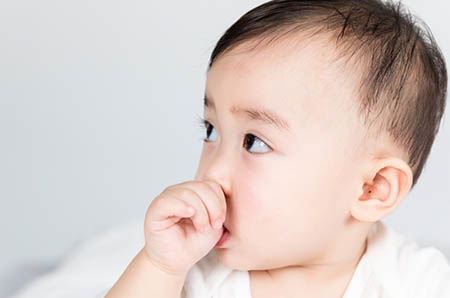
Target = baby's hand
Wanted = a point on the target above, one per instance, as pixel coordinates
(175, 238)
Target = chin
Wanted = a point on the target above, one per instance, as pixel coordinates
(231, 259)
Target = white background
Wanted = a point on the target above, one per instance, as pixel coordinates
(98, 101)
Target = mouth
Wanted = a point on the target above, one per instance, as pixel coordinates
(225, 228)
(225, 236)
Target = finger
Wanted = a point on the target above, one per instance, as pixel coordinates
(165, 212)
(210, 199)
(220, 194)
(201, 217)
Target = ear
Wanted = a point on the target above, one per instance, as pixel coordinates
(381, 195)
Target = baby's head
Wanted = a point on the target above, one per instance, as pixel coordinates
(320, 117)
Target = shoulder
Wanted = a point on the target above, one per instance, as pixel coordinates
(427, 272)
(404, 268)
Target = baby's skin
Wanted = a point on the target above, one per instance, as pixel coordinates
(286, 168)
(183, 224)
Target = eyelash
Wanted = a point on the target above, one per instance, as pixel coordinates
(204, 124)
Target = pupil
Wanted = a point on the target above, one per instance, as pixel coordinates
(208, 131)
(250, 139)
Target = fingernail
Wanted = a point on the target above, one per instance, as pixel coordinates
(217, 225)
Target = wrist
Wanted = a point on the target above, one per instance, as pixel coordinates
(177, 275)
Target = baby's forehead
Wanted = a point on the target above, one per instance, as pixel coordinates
(294, 52)
(298, 77)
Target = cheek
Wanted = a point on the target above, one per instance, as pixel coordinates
(319, 198)
(302, 196)
(248, 201)
(258, 200)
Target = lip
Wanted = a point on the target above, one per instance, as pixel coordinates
(224, 238)
(226, 227)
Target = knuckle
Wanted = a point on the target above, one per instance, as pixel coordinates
(187, 192)
(204, 186)
(168, 188)
(195, 197)
(211, 184)
(215, 188)
(213, 209)
(221, 197)
(201, 220)
(156, 202)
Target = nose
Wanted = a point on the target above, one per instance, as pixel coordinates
(217, 167)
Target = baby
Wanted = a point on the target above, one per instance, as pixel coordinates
(319, 118)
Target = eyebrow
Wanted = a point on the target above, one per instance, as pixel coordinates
(254, 114)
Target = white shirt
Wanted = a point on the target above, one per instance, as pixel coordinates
(393, 266)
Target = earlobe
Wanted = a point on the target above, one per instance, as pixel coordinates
(392, 180)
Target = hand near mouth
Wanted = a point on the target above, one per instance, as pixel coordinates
(183, 224)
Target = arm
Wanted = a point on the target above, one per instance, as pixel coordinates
(143, 279)
(160, 270)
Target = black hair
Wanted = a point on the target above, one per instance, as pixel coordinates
(403, 85)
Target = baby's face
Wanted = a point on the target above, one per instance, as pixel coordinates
(289, 186)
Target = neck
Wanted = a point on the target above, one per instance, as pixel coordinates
(333, 270)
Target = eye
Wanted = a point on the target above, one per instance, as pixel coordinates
(249, 139)
(209, 129)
